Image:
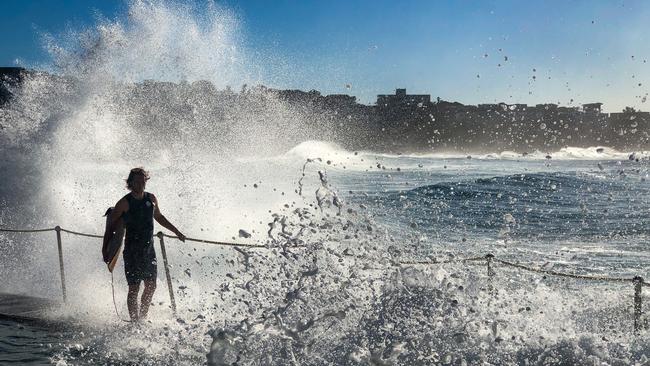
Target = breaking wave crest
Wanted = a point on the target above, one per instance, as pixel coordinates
(566, 153)
(331, 151)
(330, 286)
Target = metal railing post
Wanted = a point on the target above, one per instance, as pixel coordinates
(488, 260)
(167, 275)
(61, 269)
(638, 304)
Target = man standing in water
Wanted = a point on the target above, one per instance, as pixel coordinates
(138, 209)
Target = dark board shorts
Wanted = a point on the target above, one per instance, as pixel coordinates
(139, 265)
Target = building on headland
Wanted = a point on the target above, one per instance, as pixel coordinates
(398, 122)
(340, 99)
(488, 107)
(400, 98)
(546, 106)
(502, 107)
(592, 108)
(629, 122)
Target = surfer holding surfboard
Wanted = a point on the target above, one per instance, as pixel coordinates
(136, 212)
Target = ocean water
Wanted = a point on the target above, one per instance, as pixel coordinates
(25, 344)
(330, 287)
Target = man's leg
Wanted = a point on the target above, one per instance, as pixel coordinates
(132, 302)
(147, 295)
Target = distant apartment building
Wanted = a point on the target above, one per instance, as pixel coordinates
(400, 98)
(488, 107)
(340, 99)
(546, 106)
(592, 108)
(629, 120)
(502, 107)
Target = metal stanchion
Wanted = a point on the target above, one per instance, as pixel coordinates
(62, 271)
(490, 273)
(488, 260)
(638, 304)
(167, 275)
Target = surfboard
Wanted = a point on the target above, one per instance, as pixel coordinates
(112, 242)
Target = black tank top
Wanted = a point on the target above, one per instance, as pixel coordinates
(138, 220)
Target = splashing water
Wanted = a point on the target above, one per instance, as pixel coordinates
(329, 287)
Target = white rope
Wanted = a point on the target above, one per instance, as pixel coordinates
(114, 302)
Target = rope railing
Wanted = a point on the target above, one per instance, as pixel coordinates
(224, 243)
(26, 230)
(163, 252)
(445, 261)
(82, 234)
(489, 259)
(562, 274)
(526, 268)
(205, 241)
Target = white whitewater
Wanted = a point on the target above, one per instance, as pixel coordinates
(329, 288)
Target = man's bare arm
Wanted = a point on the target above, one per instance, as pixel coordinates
(116, 213)
(120, 208)
(162, 220)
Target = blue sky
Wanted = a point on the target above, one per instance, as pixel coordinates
(557, 51)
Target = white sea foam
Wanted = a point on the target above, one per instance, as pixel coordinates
(328, 287)
(321, 149)
(329, 150)
(566, 153)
